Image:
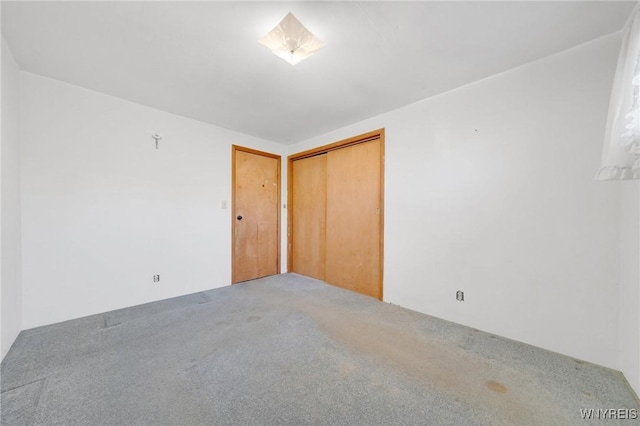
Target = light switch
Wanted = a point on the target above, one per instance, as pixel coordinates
(224, 204)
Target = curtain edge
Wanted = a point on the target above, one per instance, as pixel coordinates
(617, 173)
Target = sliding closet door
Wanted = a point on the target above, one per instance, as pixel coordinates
(309, 196)
(353, 221)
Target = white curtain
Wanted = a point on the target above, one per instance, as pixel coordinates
(621, 155)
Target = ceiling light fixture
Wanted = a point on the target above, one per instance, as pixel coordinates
(291, 41)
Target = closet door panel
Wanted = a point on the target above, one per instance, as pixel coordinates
(353, 219)
(309, 197)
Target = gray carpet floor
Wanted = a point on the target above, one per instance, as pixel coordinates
(291, 350)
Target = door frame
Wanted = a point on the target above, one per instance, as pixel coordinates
(365, 137)
(234, 149)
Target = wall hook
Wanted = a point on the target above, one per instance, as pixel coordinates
(157, 137)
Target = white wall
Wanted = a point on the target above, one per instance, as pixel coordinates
(103, 211)
(490, 190)
(10, 229)
(629, 318)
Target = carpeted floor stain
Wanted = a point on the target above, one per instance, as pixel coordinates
(440, 365)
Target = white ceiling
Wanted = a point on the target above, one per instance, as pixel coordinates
(201, 59)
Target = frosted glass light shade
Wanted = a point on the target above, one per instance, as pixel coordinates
(291, 41)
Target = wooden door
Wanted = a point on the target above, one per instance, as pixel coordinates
(309, 196)
(354, 218)
(350, 175)
(256, 214)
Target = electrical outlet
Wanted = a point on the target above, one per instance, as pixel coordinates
(156, 278)
(460, 296)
